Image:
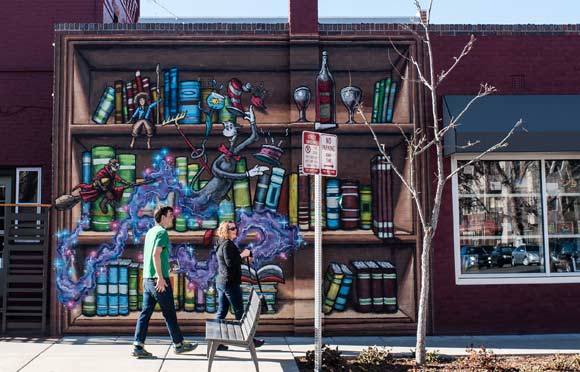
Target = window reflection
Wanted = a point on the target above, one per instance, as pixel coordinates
(500, 217)
(563, 200)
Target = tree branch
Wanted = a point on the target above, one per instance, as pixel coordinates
(497, 146)
(466, 49)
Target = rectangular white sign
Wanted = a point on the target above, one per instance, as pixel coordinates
(328, 155)
(310, 152)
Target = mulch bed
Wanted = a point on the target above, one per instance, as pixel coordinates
(547, 363)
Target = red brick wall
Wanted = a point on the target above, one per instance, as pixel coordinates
(550, 65)
(26, 66)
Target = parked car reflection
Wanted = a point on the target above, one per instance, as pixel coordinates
(565, 256)
(475, 257)
(527, 255)
(501, 256)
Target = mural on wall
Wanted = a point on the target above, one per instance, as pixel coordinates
(208, 177)
(114, 201)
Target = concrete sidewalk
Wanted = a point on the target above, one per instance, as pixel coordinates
(112, 354)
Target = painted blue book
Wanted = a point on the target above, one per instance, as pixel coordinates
(86, 178)
(392, 98)
(173, 82)
(102, 299)
(166, 94)
(332, 206)
(124, 286)
(344, 290)
(261, 191)
(384, 110)
(113, 288)
(275, 188)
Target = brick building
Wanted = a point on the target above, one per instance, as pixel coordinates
(532, 64)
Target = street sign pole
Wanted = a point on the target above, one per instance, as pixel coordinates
(317, 274)
(319, 158)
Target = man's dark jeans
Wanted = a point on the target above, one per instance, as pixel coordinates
(229, 294)
(165, 300)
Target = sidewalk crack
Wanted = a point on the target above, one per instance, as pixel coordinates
(37, 355)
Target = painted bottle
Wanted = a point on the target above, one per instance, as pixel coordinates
(325, 98)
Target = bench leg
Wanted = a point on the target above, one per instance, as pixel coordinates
(254, 356)
(214, 346)
(209, 345)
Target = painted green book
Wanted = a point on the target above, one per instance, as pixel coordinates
(376, 102)
(381, 100)
(384, 110)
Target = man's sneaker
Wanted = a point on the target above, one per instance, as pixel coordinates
(185, 347)
(258, 342)
(222, 347)
(141, 353)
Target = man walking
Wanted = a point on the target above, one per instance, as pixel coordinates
(157, 287)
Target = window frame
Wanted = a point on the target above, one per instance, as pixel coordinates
(546, 277)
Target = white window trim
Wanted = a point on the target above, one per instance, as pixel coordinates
(38, 184)
(524, 278)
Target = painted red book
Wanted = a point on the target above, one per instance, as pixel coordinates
(389, 274)
(362, 295)
(376, 286)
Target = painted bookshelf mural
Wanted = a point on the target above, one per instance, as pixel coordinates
(215, 148)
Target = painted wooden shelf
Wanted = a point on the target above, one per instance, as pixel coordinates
(199, 129)
(330, 237)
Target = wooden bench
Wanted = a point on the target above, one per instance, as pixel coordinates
(234, 332)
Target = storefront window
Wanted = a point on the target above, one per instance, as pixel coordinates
(500, 217)
(517, 221)
(563, 201)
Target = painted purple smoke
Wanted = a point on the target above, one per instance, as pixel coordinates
(275, 238)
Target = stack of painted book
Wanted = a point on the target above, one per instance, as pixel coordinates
(375, 286)
(336, 287)
(119, 291)
(384, 99)
(269, 276)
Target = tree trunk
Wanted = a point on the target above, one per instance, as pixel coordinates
(420, 352)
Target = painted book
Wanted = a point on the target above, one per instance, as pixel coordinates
(362, 287)
(349, 211)
(323, 202)
(303, 200)
(261, 191)
(376, 286)
(375, 113)
(389, 273)
(134, 286)
(118, 101)
(102, 290)
(275, 188)
(86, 176)
(293, 199)
(125, 105)
(344, 290)
(124, 286)
(382, 206)
(113, 288)
(332, 206)
(242, 188)
(166, 94)
(331, 286)
(386, 93)
(392, 100)
(130, 102)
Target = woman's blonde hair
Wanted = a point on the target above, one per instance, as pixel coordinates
(222, 231)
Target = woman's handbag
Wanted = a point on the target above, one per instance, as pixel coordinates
(264, 308)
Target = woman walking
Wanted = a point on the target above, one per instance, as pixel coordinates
(229, 275)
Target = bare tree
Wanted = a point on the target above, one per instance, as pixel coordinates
(430, 140)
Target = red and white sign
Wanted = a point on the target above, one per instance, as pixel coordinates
(310, 152)
(328, 155)
(319, 153)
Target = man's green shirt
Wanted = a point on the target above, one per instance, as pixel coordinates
(156, 237)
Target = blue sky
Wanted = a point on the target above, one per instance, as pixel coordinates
(444, 11)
